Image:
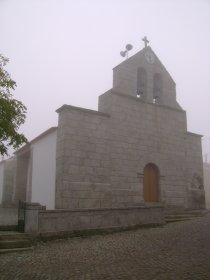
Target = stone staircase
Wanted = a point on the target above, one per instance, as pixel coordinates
(176, 215)
(11, 241)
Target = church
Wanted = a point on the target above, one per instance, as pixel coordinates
(135, 150)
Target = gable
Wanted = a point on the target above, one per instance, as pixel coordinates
(144, 75)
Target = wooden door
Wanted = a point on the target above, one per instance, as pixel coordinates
(151, 183)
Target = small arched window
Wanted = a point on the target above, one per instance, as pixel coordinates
(157, 87)
(141, 82)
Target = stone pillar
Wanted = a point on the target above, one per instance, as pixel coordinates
(32, 217)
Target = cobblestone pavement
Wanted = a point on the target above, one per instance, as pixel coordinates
(176, 251)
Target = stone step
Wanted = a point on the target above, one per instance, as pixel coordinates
(14, 250)
(15, 243)
(186, 212)
(175, 216)
(5, 235)
(184, 216)
(174, 219)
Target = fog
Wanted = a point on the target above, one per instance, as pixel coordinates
(63, 52)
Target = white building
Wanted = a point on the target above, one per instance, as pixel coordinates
(33, 170)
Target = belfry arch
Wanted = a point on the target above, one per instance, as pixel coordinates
(157, 87)
(151, 187)
(141, 83)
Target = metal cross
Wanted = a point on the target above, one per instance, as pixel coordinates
(145, 41)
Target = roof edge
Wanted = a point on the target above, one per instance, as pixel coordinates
(89, 111)
(142, 51)
(26, 147)
(194, 134)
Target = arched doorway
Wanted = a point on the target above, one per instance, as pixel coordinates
(151, 183)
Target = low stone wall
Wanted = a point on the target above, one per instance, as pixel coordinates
(49, 221)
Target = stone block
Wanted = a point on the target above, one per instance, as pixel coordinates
(89, 203)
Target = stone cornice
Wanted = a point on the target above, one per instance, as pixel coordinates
(88, 111)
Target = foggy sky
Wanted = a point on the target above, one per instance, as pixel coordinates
(63, 52)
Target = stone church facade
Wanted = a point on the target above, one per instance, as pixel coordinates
(135, 149)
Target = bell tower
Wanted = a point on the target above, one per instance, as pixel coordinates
(143, 76)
